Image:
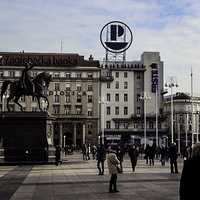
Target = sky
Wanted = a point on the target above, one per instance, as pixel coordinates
(171, 27)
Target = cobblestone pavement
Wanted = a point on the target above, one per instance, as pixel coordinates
(78, 180)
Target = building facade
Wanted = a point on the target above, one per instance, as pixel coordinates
(92, 101)
(186, 112)
(72, 92)
(132, 100)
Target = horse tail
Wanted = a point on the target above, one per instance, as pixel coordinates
(4, 88)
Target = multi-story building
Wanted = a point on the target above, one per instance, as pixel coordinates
(72, 92)
(132, 100)
(92, 101)
(186, 125)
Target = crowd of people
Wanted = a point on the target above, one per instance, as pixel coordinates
(115, 156)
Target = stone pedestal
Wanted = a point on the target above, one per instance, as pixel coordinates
(27, 136)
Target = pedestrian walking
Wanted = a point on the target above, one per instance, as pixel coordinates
(133, 153)
(189, 187)
(163, 155)
(173, 155)
(152, 152)
(146, 153)
(58, 155)
(120, 157)
(94, 151)
(113, 163)
(101, 157)
(84, 149)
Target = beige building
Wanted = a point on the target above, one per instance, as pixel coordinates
(73, 92)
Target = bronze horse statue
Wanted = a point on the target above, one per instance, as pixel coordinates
(39, 83)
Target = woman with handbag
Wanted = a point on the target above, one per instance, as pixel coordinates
(113, 164)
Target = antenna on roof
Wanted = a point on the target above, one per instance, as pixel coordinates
(61, 47)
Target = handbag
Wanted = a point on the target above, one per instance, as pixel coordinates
(119, 169)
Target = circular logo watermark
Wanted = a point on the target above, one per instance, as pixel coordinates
(116, 37)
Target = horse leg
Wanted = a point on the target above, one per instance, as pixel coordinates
(46, 99)
(38, 99)
(16, 101)
(7, 104)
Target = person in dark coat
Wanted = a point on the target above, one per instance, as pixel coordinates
(120, 157)
(146, 153)
(152, 152)
(133, 154)
(189, 187)
(173, 155)
(163, 155)
(101, 157)
(58, 155)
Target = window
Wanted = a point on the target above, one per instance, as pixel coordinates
(108, 96)
(67, 98)
(125, 97)
(138, 97)
(117, 84)
(78, 88)
(68, 109)
(108, 85)
(11, 73)
(108, 110)
(90, 75)
(107, 124)
(117, 110)
(56, 98)
(89, 98)
(125, 74)
(1, 73)
(125, 85)
(138, 112)
(78, 110)
(56, 109)
(126, 125)
(117, 125)
(78, 75)
(151, 125)
(68, 88)
(57, 86)
(68, 75)
(90, 113)
(90, 88)
(117, 97)
(78, 99)
(56, 75)
(125, 110)
(34, 109)
(138, 76)
(34, 74)
(117, 74)
(90, 126)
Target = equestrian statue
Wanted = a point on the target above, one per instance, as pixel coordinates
(27, 86)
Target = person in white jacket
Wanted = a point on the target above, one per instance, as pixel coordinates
(112, 162)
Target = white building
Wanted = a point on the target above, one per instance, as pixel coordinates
(123, 87)
(185, 125)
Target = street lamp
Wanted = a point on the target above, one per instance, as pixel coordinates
(102, 104)
(145, 98)
(172, 83)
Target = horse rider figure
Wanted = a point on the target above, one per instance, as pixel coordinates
(25, 80)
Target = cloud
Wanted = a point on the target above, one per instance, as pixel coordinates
(170, 27)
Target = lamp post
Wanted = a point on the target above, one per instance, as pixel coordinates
(145, 98)
(172, 83)
(102, 104)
